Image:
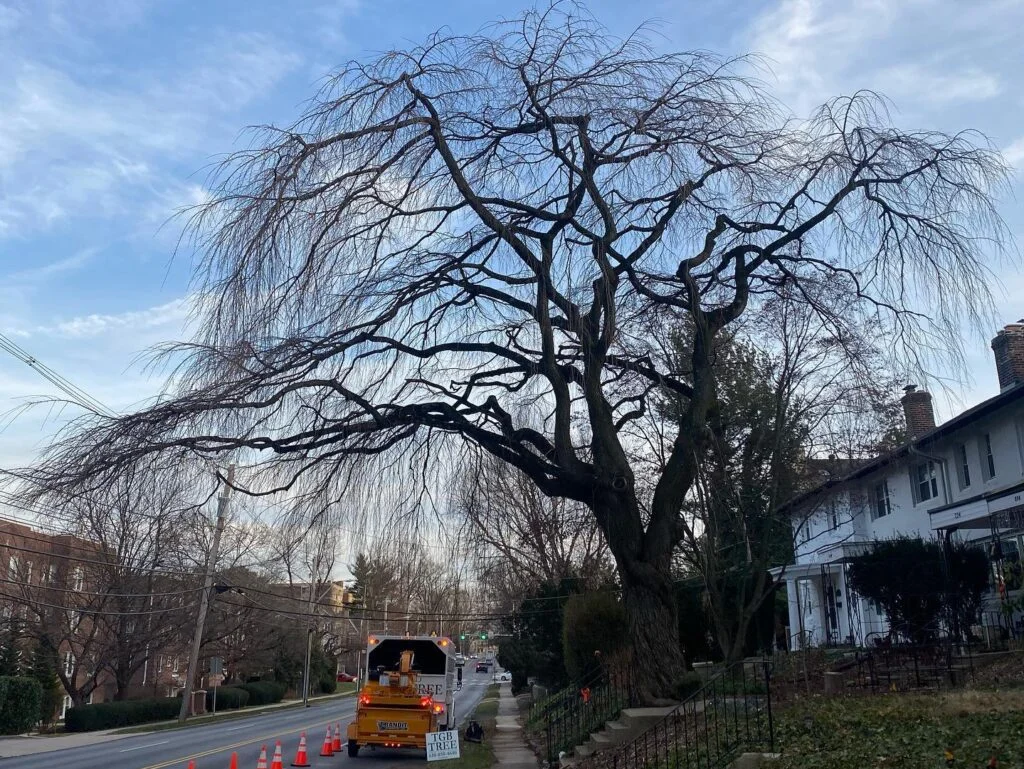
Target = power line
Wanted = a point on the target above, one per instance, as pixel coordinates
(73, 391)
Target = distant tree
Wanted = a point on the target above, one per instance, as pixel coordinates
(11, 657)
(44, 670)
(531, 644)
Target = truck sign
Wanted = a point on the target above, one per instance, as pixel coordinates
(392, 726)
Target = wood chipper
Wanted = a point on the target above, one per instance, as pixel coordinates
(393, 709)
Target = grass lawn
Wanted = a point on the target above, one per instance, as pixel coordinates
(479, 755)
(905, 731)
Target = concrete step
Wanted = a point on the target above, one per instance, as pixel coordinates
(585, 750)
(643, 718)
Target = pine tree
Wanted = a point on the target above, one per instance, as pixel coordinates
(10, 651)
(44, 670)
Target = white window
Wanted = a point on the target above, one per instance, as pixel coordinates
(14, 567)
(28, 572)
(833, 513)
(963, 467)
(882, 505)
(69, 663)
(77, 579)
(925, 482)
(988, 461)
(64, 705)
(174, 668)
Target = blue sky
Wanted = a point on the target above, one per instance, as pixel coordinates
(111, 110)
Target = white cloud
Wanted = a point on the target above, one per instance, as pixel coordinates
(70, 147)
(1014, 153)
(171, 316)
(68, 264)
(911, 50)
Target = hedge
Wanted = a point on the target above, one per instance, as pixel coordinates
(328, 684)
(228, 698)
(264, 692)
(20, 699)
(110, 715)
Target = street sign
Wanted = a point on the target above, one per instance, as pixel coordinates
(215, 679)
(216, 666)
(442, 746)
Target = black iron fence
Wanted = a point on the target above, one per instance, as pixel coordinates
(730, 715)
(568, 717)
(893, 666)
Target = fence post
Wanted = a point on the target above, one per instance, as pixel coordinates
(768, 700)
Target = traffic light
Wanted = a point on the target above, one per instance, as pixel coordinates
(483, 636)
(462, 636)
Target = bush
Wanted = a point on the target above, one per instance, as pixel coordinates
(228, 698)
(328, 684)
(111, 715)
(592, 622)
(20, 699)
(264, 692)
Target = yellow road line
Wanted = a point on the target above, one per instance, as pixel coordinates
(185, 759)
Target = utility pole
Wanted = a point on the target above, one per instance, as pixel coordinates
(204, 598)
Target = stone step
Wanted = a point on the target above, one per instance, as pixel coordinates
(644, 718)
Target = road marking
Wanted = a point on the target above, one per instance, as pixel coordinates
(241, 744)
(238, 728)
(140, 747)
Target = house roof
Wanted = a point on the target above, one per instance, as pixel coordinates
(948, 427)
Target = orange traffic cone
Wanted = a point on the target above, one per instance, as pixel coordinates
(233, 764)
(300, 758)
(278, 760)
(192, 765)
(336, 745)
(327, 750)
(262, 762)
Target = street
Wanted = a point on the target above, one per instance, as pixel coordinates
(211, 745)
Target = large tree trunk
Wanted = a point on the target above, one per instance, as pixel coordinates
(658, 662)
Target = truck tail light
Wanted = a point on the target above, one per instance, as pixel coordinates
(364, 700)
(425, 702)
(438, 708)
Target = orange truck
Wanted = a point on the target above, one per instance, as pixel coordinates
(407, 694)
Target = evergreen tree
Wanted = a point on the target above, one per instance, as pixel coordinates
(44, 670)
(10, 650)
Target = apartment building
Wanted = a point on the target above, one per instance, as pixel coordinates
(963, 479)
(46, 582)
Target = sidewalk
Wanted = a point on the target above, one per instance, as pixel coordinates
(13, 747)
(510, 750)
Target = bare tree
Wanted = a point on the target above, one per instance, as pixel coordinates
(119, 597)
(521, 537)
(456, 232)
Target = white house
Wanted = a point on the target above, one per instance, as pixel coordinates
(963, 478)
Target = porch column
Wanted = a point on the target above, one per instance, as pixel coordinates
(795, 619)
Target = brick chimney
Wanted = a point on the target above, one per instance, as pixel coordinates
(917, 411)
(1008, 347)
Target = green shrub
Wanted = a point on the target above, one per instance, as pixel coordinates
(328, 684)
(592, 622)
(228, 698)
(111, 715)
(264, 692)
(20, 699)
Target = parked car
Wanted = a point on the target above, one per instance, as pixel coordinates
(346, 678)
(504, 675)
